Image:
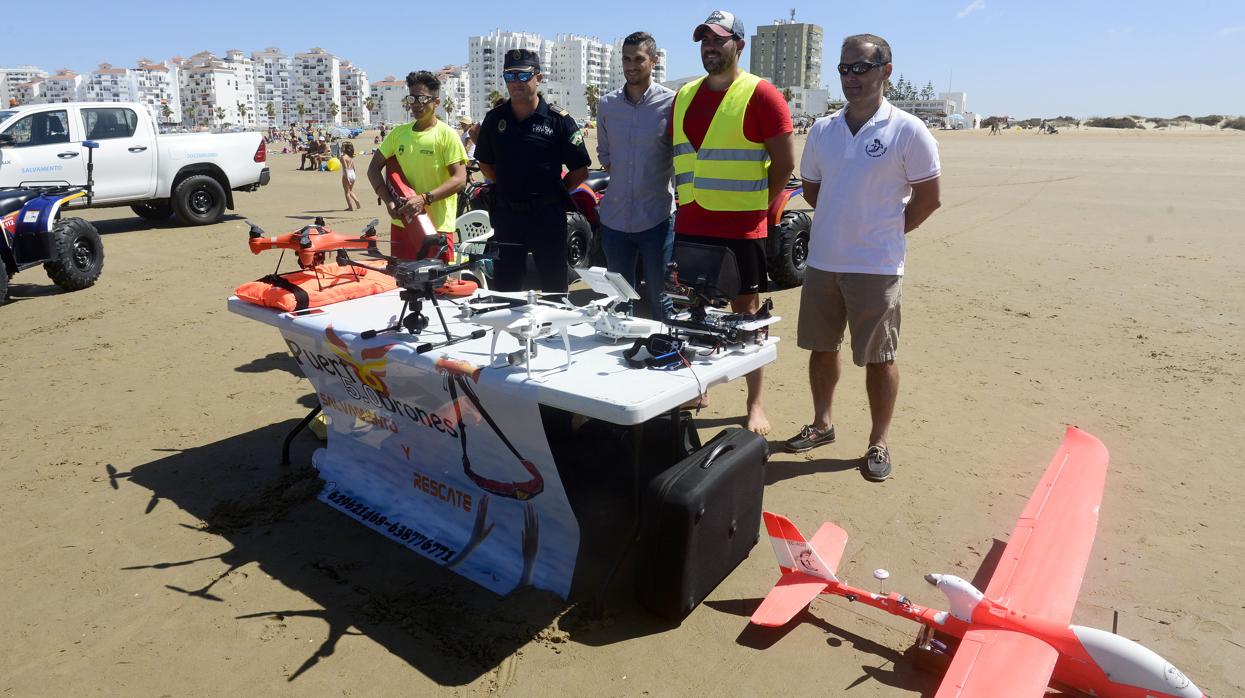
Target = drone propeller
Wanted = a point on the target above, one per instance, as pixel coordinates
(370, 229)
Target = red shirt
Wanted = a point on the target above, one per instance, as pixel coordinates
(766, 116)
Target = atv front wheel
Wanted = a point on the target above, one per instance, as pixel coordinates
(78, 257)
(787, 268)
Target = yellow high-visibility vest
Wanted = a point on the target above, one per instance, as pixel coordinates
(729, 172)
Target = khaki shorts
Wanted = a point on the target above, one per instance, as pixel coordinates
(868, 304)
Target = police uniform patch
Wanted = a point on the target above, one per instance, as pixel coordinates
(577, 138)
(558, 110)
(501, 125)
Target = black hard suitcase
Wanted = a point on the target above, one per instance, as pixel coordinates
(700, 519)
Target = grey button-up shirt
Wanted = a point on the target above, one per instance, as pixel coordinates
(632, 141)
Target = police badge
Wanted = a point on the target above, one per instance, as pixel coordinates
(501, 125)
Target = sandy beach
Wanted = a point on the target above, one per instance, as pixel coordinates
(154, 546)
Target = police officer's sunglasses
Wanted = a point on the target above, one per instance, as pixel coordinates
(409, 100)
(858, 68)
(520, 75)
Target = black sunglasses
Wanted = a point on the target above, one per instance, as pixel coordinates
(521, 76)
(858, 68)
(422, 99)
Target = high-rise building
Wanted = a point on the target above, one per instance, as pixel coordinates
(387, 96)
(788, 53)
(486, 58)
(354, 94)
(275, 87)
(156, 86)
(455, 87)
(65, 86)
(319, 86)
(11, 78)
(244, 110)
(211, 90)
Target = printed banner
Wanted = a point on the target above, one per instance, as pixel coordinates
(443, 457)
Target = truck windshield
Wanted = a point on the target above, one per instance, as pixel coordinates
(4, 115)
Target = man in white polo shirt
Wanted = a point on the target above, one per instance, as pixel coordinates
(875, 168)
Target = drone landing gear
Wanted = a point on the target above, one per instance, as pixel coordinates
(413, 320)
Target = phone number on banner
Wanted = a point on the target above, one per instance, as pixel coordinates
(396, 529)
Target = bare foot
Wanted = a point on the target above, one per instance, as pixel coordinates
(757, 421)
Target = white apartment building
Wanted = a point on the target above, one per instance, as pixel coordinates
(319, 86)
(387, 97)
(354, 93)
(486, 58)
(65, 86)
(616, 72)
(29, 92)
(12, 78)
(109, 84)
(156, 85)
(245, 109)
(807, 101)
(959, 101)
(211, 91)
(274, 87)
(456, 87)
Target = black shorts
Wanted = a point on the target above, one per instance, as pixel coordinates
(749, 255)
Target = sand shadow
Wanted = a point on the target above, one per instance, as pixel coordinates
(275, 361)
(135, 223)
(777, 471)
(25, 291)
(356, 581)
(903, 671)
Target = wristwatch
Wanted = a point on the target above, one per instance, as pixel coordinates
(428, 198)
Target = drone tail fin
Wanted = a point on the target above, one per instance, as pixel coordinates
(807, 568)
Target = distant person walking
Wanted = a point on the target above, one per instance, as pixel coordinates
(733, 154)
(633, 144)
(871, 173)
(348, 176)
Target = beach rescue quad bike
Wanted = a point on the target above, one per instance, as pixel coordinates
(786, 248)
(32, 231)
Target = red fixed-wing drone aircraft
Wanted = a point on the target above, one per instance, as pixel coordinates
(1015, 638)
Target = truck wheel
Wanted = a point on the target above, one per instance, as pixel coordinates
(578, 244)
(79, 255)
(199, 200)
(154, 210)
(787, 268)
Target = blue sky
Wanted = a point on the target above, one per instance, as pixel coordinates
(1017, 58)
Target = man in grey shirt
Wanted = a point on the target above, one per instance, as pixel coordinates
(633, 144)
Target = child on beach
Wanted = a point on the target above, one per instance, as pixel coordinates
(348, 176)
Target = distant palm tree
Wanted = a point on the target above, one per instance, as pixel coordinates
(272, 110)
(593, 96)
(333, 110)
(448, 104)
(242, 110)
(190, 113)
(302, 109)
(220, 114)
(494, 98)
(370, 103)
(165, 111)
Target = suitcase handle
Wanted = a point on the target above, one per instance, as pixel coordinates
(717, 451)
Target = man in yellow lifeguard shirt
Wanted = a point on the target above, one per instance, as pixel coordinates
(430, 155)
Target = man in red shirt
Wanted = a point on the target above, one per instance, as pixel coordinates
(765, 123)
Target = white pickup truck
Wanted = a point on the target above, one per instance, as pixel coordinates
(192, 175)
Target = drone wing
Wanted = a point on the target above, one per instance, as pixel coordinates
(990, 663)
(1041, 569)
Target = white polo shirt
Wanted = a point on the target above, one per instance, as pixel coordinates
(866, 182)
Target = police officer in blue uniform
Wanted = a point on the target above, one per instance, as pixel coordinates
(523, 145)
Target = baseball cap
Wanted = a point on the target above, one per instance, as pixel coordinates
(722, 23)
(522, 59)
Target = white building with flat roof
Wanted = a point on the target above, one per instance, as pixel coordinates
(387, 97)
(959, 101)
(455, 87)
(211, 91)
(244, 110)
(319, 86)
(807, 101)
(354, 94)
(11, 78)
(274, 87)
(486, 58)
